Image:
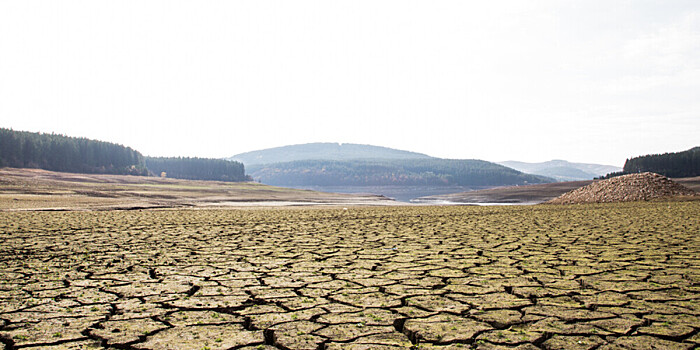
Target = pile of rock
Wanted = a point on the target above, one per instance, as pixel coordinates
(626, 188)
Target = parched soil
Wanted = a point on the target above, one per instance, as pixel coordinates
(36, 189)
(607, 276)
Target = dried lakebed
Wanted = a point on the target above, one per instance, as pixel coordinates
(607, 276)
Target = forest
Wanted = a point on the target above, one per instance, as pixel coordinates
(196, 168)
(22, 149)
(676, 164)
(391, 172)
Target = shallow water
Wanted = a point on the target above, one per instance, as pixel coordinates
(399, 193)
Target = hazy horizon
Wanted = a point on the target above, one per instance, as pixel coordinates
(584, 81)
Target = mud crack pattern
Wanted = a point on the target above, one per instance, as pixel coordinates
(607, 276)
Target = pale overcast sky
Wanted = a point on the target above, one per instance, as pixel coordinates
(587, 81)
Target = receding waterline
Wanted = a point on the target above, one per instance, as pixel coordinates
(480, 204)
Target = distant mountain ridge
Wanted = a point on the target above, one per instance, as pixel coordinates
(323, 150)
(562, 170)
(334, 164)
(391, 172)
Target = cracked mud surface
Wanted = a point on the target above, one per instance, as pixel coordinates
(623, 276)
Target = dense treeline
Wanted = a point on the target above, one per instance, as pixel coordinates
(678, 164)
(197, 168)
(21, 149)
(391, 172)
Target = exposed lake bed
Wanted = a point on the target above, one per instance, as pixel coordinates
(399, 193)
(445, 277)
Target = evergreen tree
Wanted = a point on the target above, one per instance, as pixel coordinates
(197, 168)
(679, 164)
(21, 149)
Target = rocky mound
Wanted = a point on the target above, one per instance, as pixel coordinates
(626, 188)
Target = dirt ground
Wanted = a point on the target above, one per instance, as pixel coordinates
(606, 276)
(531, 194)
(36, 189)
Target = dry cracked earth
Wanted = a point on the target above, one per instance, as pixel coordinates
(609, 276)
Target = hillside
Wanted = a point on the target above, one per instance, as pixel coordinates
(322, 150)
(391, 172)
(23, 149)
(562, 170)
(197, 168)
(677, 164)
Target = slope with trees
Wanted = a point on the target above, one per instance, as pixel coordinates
(22, 149)
(676, 164)
(197, 168)
(391, 172)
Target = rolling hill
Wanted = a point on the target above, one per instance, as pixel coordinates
(390, 172)
(323, 150)
(353, 165)
(562, 170)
